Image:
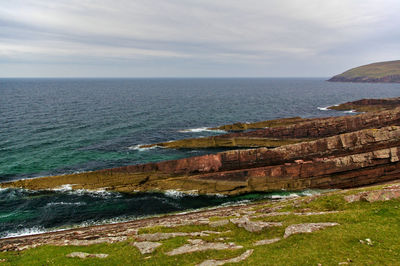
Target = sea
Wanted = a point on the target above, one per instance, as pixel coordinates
(61, 126)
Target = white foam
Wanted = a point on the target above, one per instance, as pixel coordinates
(296, 194)
(292, 195)
(140, 148)
(63, 188)
(66, 203)
(176, 194)
(67, 188)
(350, 111)
(327, 107)
(201, 129)
(25, 232)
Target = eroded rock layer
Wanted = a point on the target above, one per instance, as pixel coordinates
(344, 160)
(368, 105)
(292, 133)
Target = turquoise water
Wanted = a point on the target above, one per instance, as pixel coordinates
(58, 126)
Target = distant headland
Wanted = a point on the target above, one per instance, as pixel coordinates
(382, 72)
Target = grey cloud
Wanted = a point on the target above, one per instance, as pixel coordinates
(194, 38)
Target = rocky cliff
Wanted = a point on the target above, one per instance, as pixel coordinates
(339, 152)
(382, 72)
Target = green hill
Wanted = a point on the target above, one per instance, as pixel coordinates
(388, 72)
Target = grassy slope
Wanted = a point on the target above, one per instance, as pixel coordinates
(375, 70)
(379, 221)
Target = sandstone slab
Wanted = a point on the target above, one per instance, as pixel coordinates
(84, 255)
(253, 226)
(200, 245)
(163, 236)
(240, 258)
(146, 247)
(266, 241)
(306, 228)
(219, 223)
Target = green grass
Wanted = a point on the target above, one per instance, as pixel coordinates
(379, 221)
(375, 70)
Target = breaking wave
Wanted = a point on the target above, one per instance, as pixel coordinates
(140, 148)
(201, 129)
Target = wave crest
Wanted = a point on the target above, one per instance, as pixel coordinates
(201, 129)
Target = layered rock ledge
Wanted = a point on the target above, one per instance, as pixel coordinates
(347, 151)
(294, 132)
(368, 105)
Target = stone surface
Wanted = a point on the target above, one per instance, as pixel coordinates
(219, 223)
(83, 255)
(306, 228)
(253, 226)
(146, 247)
(240, 258)
(266, 241)
(163, 236)
(200, 245)
(375, 195)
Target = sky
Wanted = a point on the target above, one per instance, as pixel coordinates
(195, 38)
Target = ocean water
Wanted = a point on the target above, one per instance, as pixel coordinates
(59, 126)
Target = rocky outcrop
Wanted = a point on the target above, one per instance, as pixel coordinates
(346, 160)
(262, 124)
(346, 152)
(368, 105)
(326, 127)
(292, 133)
(387, 193)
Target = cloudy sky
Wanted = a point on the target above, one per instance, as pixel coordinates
(195, 38)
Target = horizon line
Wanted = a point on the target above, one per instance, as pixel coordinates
(155, 77)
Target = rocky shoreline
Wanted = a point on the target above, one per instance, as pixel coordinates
(333, 152)
(347, 152)
(235, 232)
